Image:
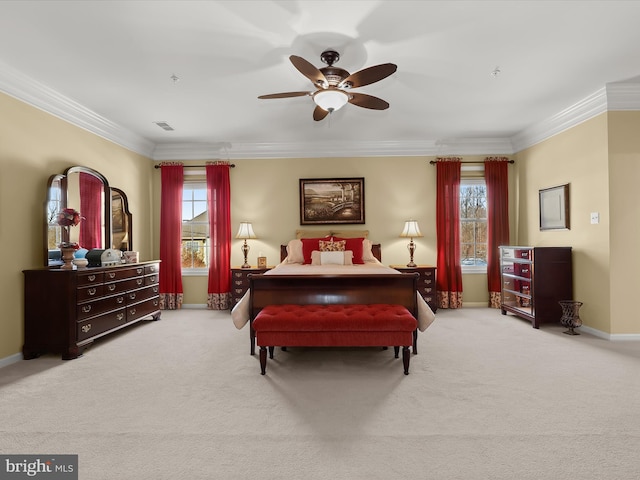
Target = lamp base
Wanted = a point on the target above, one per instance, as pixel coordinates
(412, 264)
(246, 265)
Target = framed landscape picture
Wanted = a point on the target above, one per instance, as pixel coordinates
(554, 208)
(325, 201)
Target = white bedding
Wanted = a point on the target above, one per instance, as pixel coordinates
(240, 313)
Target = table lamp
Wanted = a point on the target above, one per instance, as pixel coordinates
(245, 231)
(411, 230)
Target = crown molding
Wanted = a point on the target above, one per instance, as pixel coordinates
(34, 93)
(615, 96)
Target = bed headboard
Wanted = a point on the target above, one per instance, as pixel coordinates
(376, 249)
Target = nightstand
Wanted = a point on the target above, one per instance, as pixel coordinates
(426, 282)
(240, 282)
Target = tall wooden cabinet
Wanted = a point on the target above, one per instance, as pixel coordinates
(66, 310)
(534, 280)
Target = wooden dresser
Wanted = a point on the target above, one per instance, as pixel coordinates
(66, 310)
(534, 280)
(426, 282)
(240, 282)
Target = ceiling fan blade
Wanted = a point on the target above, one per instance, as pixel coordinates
(370, 75)
(367, 101)
(284, 95)
(309, 71)
(319, 114)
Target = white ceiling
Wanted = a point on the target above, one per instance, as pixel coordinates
(107, 66)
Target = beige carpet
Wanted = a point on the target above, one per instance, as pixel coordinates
(488, 397)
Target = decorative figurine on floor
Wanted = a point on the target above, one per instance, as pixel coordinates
(570, 316)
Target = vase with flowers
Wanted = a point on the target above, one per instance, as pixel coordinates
(67, 218)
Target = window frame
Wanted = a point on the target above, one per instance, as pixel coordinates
(466, 181)
(196, 184)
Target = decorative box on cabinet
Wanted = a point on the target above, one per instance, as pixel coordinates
(534, 280)
(240, 282)
(426, 282)
(66, 310)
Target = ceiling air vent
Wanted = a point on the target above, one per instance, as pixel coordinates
(164, 126)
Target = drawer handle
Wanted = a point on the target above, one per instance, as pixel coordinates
(239, 290)
(428, 290)
(111, 287)
(139, 281)
(153, 268)
(86, 308)
(86, 328)
(120, 316)
(155, 289)
(238, 283)
(92, 278)
(132, 296)
(155, 302)
(112, 274)
(91, 291)
(119, 299)
(132, 311)
(428, 282)
(138, 271)
(238, 274)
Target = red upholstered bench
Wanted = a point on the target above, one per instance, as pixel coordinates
(336, 325)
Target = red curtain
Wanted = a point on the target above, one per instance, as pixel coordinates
(496, 176)
(449, 270)
(91, 208)
(219, 209)
(171, 292)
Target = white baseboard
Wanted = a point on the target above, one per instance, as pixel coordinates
(614, 337)
(11, 359)
(194, 305)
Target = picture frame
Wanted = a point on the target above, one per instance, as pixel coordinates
(331, 201)
(554, 208)
(262, 262)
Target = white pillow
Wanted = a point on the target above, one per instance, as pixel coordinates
(332, 258)
(367, 254)
(294, 252)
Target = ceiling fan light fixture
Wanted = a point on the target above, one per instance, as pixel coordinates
(330, 100)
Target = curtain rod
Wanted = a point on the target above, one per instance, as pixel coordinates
(232, 165)
(433, 162)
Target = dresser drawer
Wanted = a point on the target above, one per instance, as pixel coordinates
(91, 292)
(112, 288)
(90, 278)
(155, 268)
(100, 306)
(136, 296)
(120, 273)
(100, 324)
(142, 309)
(151, 279)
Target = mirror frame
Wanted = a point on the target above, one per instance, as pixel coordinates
(126, 216)
(64, 203)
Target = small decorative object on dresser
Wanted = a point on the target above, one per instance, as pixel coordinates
(240, 281)
(66, 310)
(426, 282)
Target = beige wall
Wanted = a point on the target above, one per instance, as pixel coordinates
(624, 224)
(33, 146)
(265, 192)
(578, 157)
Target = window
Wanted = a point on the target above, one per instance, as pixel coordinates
(195, 226)
(473, 225)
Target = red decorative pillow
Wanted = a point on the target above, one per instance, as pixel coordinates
(308, 246)
(355, 245)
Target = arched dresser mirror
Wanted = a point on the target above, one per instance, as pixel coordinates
(86, 191)
(121, 222)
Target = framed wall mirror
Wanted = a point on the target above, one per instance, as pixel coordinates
(86, 191)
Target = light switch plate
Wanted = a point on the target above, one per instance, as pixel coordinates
(595, 218)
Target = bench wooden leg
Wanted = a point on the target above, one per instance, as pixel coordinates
(406, 356)
(396, 351)
(263, 360)
(252, 338)
(271, 352)
(415, 342)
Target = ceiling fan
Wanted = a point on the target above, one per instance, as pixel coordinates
(334, 84)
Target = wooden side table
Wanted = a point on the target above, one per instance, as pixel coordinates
(426, 282)
(240, 282)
